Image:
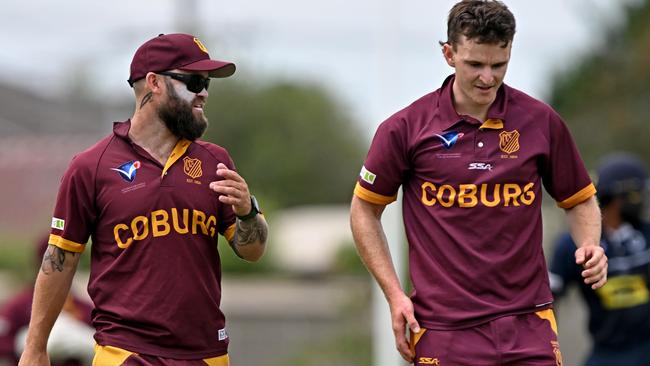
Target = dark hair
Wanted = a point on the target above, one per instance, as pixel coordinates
(484, 21)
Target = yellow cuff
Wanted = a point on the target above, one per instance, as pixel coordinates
(65, 244)
(579, 197)
(372, 197)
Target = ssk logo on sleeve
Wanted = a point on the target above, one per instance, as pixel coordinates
(367, 176)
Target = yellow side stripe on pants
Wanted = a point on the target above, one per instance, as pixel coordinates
(218, 361)
(114, 356)
(415, 338)
(550, 316)
(110, 356)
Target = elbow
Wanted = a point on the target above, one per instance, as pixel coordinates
(253, 253)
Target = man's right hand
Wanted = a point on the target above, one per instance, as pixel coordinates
(402, 316)
(29, 358)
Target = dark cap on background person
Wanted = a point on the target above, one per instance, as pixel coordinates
(176, 51)
(623, 177)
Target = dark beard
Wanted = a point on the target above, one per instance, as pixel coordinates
(179, 117)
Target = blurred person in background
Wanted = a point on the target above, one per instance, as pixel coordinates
(154, 199)
(619, 312)
(471, 158)
(70, 343)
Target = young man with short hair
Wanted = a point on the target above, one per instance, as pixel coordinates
(471, 158)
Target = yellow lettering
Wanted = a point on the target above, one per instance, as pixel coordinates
(137, 235)
(160, 218)
(441, 195)
(529, 195)
(467, 193)
(198, 219)
(495, 194)
(177, 228)
(511, 192)
(212, 224)
(116, 232)
(425, 199)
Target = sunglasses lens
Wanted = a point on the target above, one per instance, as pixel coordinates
(197, 83)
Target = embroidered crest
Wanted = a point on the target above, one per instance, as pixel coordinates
(192, 167)
(509, 141)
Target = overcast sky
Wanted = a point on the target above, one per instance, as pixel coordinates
(375, 56)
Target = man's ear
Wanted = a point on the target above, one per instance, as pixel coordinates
(449, 54)
(154, 82)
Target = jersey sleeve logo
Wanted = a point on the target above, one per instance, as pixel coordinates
(58, 223)
(449, 139)
(192, 167)
(509, 141)
(127, 170)
(367, 176)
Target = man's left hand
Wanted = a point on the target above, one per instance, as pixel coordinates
(593, 260)
(232, 190)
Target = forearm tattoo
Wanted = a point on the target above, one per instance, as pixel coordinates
(250, 231)
(54, 259)
(146, 99)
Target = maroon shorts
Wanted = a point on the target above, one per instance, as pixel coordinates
(516, 340)
(113, 356)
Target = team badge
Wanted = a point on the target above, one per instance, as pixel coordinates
(509, 141)
(449, 139)
(127, 170)
(192, 167)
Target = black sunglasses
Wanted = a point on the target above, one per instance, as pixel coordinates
(194, 82)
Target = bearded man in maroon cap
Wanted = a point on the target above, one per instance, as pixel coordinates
(152, 198)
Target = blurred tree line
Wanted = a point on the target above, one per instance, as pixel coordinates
(605, 97)
(293, 143)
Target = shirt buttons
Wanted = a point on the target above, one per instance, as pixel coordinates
(480, 144)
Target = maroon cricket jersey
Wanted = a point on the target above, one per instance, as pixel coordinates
(472, 201)
(155, 269)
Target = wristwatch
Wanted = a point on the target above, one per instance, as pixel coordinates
(255, 209)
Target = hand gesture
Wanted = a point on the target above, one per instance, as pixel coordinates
(402, 315)
(593, 260)
(232, 190)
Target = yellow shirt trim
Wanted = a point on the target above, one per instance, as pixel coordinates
(372, 197)
(492, 124)
(579, 197)
(179, 150)
(230, 232)
(65, 244)
(550, 316)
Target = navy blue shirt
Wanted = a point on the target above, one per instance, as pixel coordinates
(619, 312)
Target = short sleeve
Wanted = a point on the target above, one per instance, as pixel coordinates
(565, 176)
(74, 211)
(386, 164)
(226, 215)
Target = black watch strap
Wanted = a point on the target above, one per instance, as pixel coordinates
(255, 209)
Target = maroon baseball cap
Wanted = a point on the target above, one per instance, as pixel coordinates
(176, 51)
